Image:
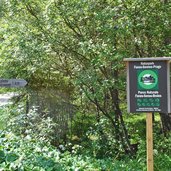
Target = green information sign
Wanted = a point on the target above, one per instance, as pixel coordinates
(148, 84)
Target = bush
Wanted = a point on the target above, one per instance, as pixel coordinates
(18, 153)
(34, 125)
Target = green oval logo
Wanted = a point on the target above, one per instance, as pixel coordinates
(148, 79)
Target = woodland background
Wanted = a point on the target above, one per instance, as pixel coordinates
(72, 114)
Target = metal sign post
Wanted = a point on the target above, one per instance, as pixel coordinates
(148, 90)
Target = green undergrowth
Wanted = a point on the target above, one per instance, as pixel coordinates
(27, 154)
(29, 151)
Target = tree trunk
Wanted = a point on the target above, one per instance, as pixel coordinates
(165, 117)
(165, 123)
(121, 128)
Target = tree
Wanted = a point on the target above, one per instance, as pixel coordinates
(85, 43)
(74, 38)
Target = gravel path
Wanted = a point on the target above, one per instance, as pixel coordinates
(5, 98)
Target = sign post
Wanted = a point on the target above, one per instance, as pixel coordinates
(148, 90)
(149, 137)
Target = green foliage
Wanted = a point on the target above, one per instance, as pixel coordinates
(162, 145)
(18, 153)
(4, 112)
(94, 153)
(101, 143)
(33, 125)
(81, 123)
(78, 47)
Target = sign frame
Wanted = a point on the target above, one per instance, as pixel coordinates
(135, 65)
